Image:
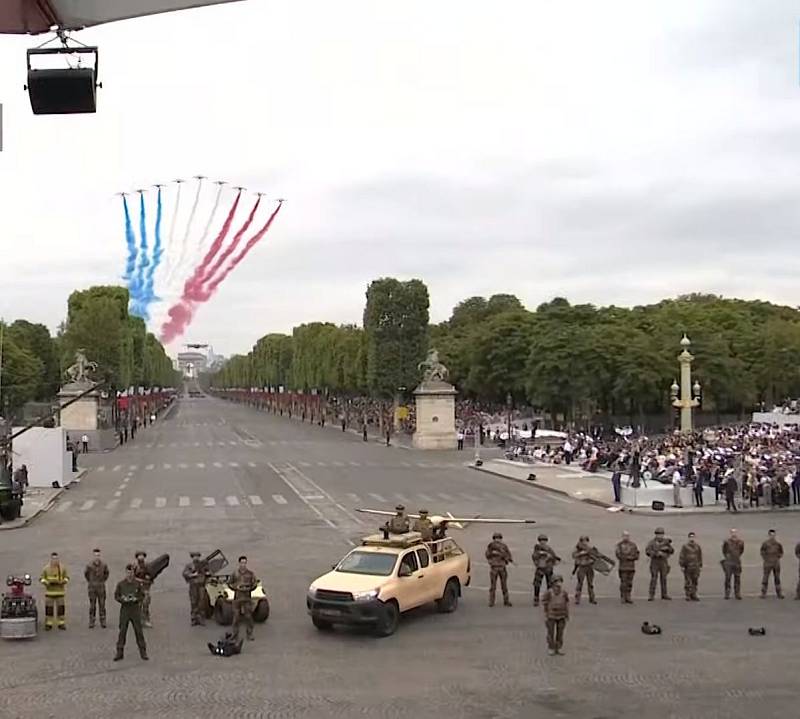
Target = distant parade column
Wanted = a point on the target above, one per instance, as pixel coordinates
(689, 395)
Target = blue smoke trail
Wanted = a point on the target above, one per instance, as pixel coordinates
(137, 284)
(130, 241)
(158, 251)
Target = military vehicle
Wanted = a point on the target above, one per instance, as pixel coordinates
(19, 616)
(389, 574)
(219, 595)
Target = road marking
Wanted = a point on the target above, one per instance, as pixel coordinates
(209, 501)
(354, 464)
(197, 444)
(425, 497)
(221, 444)
(232, 443)
(117, 493)
(112, 504)
(252, 464)
(161, 502)
(279, 498)
(354, 497)
(150, 467)
(101, 468)
(63, 506)
(159, 445)
(445, 497)
(401, 498)
(87, 505)
(149, 445)
(183, 465)
(124, 483)
(304, 500)
(201, 465)
(136, 503)
(256, 500)
(173, 444)
(218, 465)
(338, 464)
(133, 467)
(233, 464)
(232, 501)
(304, 464)
(184, 501)
(167, 466)
(320, 464)
(376, 497)
(117, 467)
(209, 444)
(471, 498)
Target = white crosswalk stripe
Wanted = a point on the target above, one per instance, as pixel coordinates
(232, 501)
(117, 467)
(218, 465)
(136, 503)
(354, 464)
(209, 444)
(201, 465)
(87, 505)
(252, 464)
(304, 464)
(118, 493)
(405, 464)
(112, 504)
(279, 498)
(101, 468)
(150, 467)
(425, 497)
(183, 465)
(63, 506)
(161, 502)
(446, 497)
(233, 464)
(376, 497)
(209, 501)
(338, 464)
(320, 464)
(133, 467)
(354, 497)
(221, 444)
(184, 501)
(255, 500)
(167, 466)
(232, 443)
(401, 498)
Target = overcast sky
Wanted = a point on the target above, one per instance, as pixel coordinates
(615, 152)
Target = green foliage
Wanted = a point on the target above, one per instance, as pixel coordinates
(21, 374)
(396, 331)
(36, 339)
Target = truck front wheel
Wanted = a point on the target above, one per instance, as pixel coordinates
(388, 622)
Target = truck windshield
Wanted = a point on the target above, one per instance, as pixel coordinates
(367, 563)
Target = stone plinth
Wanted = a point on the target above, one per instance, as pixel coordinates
(436, 415)
(87, 416)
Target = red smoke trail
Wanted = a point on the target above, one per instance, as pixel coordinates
(249, 246)
(200, 270)
(209, 274)
(181, 313)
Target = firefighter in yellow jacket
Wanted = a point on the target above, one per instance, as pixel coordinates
(55, 579)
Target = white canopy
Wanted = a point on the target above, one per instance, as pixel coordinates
(38, 16)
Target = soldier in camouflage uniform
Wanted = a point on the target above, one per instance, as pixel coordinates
(424, 526)
(771, 553)
(144, 578)
(129, 593)
(399, 524)
(732, 551)
(691, 561)
(195, 574)
(627, 554)
(584, 556)
(242, 582)
(659, 549)
(498, 555)
(556, 614)
(96, 574)
(544, 559)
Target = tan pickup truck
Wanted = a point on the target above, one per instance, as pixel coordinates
(388, 575)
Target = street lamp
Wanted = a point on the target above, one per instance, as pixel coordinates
(689, 394)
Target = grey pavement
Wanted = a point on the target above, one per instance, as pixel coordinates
(213, 474)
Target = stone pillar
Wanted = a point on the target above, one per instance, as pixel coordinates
(436, 415)
(86, 416)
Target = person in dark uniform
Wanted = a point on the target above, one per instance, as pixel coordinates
(140, 571)
(96, 574)
(732, 551)
(544, 560)
(691, 561)
(556, 614)
(498, 555)
(242, 582)
(195, 574)
(129, 594)
(659, 549)
(627, 554)
(771, 553)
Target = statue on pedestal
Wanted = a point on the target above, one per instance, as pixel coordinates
(432, 369)
(79, 372)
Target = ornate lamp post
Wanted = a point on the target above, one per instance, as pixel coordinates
(689, 394)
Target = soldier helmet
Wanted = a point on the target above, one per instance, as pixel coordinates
(194, 554)
(400, 508)
(497, 535)
(542, 537)
(558, 579)
(140, 553)
(423, 511)
(659, 530)
(129, 567)
(691, 535)
(584, 538)
(771, 531)
(96, 550)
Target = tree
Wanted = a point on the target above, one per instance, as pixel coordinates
(21, 376)
(36, 339)
(396, 328)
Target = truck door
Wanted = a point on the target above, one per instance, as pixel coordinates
(411, 592)
(431, 582)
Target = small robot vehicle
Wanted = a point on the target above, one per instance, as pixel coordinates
(19, 616)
